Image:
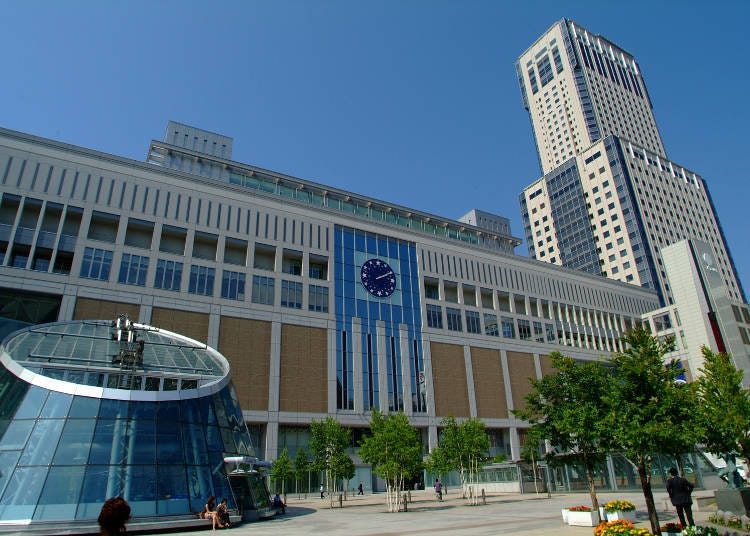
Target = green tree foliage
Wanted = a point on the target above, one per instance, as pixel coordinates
(645, 405)
(394, 449)
(282, 470)
(328, 442)
(301, 466)
(462, 447)
(565, 409)
(724, 405)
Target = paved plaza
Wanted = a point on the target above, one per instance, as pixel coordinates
(523, 515)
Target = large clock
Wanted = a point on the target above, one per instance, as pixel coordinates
(378, 278)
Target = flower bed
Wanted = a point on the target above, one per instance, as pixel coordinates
(622, 506)
(619, 528)
(671, 529)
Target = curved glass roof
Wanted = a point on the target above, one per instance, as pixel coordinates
(94, 345)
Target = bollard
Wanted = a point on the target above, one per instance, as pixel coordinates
(341, 500)
(484, 497)
(405, 502)
(409, 495)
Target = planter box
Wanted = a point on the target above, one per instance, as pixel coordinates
(621, 514)
(565, 514)
(583, 519)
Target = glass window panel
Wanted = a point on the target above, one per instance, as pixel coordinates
(16, 436)
(143, 442)
(169, 442)
(84, 407)
(57, 405)
(195, 444)
(42, 442)
(8, 462)
(94, 490)
(199, 486)
(171, 490)
(75, 442)
(59, 498)
(168, 411)
(32, 403)
(114, 409)
(22, 492)
(142, 489)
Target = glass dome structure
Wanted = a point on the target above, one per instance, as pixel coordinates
(96, 409)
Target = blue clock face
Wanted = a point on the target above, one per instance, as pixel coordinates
(378, 278)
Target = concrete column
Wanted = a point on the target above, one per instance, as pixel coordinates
(274, 372)
(470, 382)
(355, 343)
(403, 334)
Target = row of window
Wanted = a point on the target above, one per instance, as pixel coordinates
(97, 264)
(527, 330)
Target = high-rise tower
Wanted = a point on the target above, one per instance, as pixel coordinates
(609, 198)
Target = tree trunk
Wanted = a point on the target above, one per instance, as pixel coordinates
(592, 486)
(649, 496)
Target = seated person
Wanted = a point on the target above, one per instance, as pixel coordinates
(278, 503)
(208, 510)
(221, 515)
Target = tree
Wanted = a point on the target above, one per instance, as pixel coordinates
(328, 441)
(462, 447)
(394, 449)
(642, 401)
(342, 468)
(282, 470)
(301, 467)
(724, 406)
(565, 409)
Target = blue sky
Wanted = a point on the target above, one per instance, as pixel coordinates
(414, 102)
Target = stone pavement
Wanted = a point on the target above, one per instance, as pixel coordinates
(504, 513)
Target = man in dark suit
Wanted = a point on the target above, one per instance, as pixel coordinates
(679, 490)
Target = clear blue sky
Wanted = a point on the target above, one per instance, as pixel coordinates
(414, 102)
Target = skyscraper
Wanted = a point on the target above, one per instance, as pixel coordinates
(609, 198)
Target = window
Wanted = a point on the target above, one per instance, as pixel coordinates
(96, 264)
(524, 330)
(233, 285)
(263, 289)
(454, 319)
(509, 330)
(291, 262)
(472, 322)
(434, 316)
(318, 268)
(201, 280)
(133, 269)
(291, 294)
(490, 325)
(431, 289)
(168, 275)
(318, 299)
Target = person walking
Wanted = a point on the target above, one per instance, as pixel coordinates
(438, 489)
(679, 490)
(322, 492)
(359, 489)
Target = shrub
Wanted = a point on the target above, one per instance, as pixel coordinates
(701, 531)
(622, 506)
(671, 527)
(581, 508)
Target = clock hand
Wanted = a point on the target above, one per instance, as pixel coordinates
(384, 275)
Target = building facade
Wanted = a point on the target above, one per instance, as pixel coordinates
(702, 314)
(609, 199)
(323, 301)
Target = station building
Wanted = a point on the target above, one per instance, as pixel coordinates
(323, 301)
